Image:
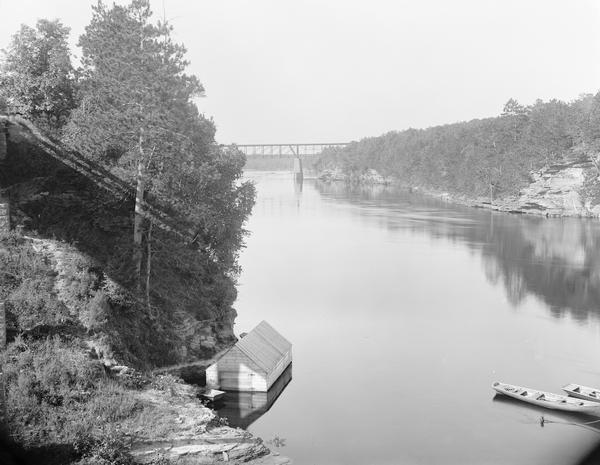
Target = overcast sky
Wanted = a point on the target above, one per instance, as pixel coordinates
(339, 70)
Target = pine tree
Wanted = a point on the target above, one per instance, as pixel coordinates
(137, 117)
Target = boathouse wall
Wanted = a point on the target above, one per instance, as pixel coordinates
(254, 363)
(235, 371)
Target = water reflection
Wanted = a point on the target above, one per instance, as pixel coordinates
(243, 408)
(554, 259)
(398, 331)
(298, 183)
(551, 418)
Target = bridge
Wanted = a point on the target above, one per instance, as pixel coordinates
(286, 150)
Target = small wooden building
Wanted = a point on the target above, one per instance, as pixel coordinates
(254, 363)
(243, 408)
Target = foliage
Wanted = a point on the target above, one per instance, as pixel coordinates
(26, 285)
(135, 103)
(137, 117)
(65, 405)
(56, 393)
(166, 383)
(36, 76)
(479, 156)
(111, 449)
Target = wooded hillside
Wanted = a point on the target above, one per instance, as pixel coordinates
(480, 157)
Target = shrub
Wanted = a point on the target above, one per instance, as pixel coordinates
(96, 312)
(109, 449)
(56, 394)
(33, 303)
(167, 383)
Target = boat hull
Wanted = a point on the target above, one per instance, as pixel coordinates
(547, 399)
(583, 392)
(212, 395)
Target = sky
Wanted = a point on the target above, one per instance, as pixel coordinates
(281, 71)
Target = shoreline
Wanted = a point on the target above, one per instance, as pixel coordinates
(527, 203)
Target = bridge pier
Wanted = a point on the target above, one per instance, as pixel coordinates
(298, 172)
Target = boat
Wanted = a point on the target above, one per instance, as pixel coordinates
(548, 399)
(212, 395)
(582, 392)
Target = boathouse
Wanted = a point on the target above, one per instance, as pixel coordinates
(254, 363)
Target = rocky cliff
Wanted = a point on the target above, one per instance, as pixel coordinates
(567, 188)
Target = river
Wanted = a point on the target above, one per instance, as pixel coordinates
(403, 311)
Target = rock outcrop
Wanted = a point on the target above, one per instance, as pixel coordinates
(368, 177)
(185, 432)
(560, 190)
(567, 188)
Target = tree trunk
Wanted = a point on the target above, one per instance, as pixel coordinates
(596, 161)
(138, 221)
(148, 263)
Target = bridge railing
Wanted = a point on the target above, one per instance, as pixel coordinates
(286, 150)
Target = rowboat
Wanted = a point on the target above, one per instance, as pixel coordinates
(212, 395)
(548, 399)
(582, 392)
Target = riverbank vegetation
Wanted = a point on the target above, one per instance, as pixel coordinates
(485, 157)
(93, 279)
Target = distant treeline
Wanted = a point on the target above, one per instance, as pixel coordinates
(493, 155)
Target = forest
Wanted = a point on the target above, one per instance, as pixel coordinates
(130, 109)
(88, 280)
(483, 157)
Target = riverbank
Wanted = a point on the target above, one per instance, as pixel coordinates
(69, 389)
(180, 429)
(83, 342)
(561, 189)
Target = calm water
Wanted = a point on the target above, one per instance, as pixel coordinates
(402, 311)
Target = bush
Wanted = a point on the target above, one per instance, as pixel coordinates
(110, 449)
(96, 312)
(27, 285)
(167, 383)
(57, 395)
(33, 303)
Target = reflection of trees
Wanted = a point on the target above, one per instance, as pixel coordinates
(556, 260)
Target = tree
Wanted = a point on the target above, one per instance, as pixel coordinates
(516, 113)
(591, 131)
(513, 108)
(547, 134)
(36, 75)
(137, 117)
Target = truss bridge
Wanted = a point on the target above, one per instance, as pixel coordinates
(286, 150)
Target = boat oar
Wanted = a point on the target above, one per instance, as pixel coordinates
(543, 421)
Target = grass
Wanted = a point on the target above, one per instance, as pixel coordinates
(64, 407)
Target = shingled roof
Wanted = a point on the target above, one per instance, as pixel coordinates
(264, 346)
